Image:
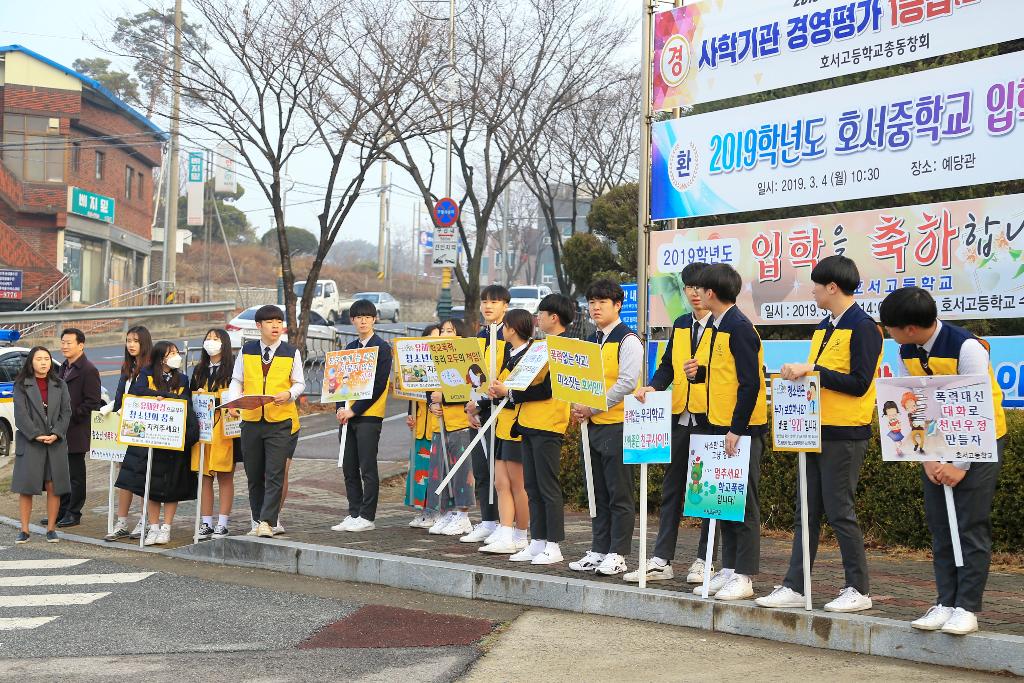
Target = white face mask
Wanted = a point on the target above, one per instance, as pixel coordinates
(173, 362)
(212, 346)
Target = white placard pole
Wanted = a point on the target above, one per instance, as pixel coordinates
(145, 498)
(954, 527)
(469, 449)
(493, 367)
(444, 454)
(199, 492)
(110, 499)
(643, 526)
(804, 524)
(588, 467)
(344, 438)
(707, 559)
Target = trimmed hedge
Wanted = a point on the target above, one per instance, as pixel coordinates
(890, 505)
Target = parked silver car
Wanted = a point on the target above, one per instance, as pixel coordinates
(387, 305)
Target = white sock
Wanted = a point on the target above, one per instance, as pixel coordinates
(552, 548)
(728, 572)
(537, 547)
(222, 520)
(490, 526)
(122, 520)
(519, 534)
(508, 532)
(658, 561)
(208, 519)
(461, 515)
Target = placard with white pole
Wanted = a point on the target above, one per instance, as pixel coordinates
(103, 445)
(348, 376)
(492, 368)
(205, 407)
(796, 427)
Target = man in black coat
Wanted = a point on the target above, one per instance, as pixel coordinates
(84, 389)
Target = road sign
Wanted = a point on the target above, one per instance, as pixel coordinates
(628, 314)
(426, 239)
(446, 248)
(446, 212)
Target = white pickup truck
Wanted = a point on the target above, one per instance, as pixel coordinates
(327, 300)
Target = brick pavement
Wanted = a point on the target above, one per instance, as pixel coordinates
(902, 587)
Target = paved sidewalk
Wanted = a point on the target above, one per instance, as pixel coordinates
(901, 588)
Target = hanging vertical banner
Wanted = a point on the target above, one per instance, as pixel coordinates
(194, 189)
(224, 177)
(716, 49)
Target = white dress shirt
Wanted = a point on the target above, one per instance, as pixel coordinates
(631, 362)
(687, 418)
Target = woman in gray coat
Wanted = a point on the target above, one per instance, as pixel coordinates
(42, 412)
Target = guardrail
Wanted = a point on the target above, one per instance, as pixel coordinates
(124, 313)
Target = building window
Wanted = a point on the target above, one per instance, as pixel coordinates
(100, 161)
(138, 185)
(34, 148)
(128, 173)
(76, 156)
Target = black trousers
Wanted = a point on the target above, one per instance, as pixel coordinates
(482, 479)
(672, 490)
(972, 498)
(831, 484)
(612, 529)
(359, 466)
(741, 541)
(266, 447)
(542, 453)
(71, 503)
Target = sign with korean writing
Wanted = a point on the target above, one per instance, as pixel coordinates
(647, 429)
(103, 443)
(446, 247)
(155, 423)
(628, 313)
(11, 284)
(577, 372)
(205, 406)
(716, 49)
(91, 205)
(460, 366)
(945, 127)
(396, 385)
(716, 483)
(225, 179)
(416, 369)
(195, 189)
(533, 361)
(349, 375)
(796, 414)
(232, 425)
(968, 254)
(937, 417)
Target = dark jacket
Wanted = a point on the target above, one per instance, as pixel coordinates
(32, 420)
(85, 392)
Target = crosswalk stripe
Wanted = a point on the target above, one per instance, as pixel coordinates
(72, 579)
(39, 564)
(20, 623)
(50, 599)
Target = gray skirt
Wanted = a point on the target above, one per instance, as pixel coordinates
(33, 470)
(459, 492)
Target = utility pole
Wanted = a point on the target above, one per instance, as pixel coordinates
(207, 223)
(382, 244)
(171, 229)
(505, 213)
(444, 302)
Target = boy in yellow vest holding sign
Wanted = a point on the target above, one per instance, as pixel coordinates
(929, 346)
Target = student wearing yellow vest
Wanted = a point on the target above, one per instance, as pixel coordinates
(846, 350)
(510, 488)
(541, 420)
(622, 354)
(422, 425)
(268, 366)
(929, 346)
(731, 368)
(364, 419)
(494, 301)
(688, 403)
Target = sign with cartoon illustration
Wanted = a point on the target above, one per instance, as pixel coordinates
(577, 372)
(528, 367)
(796, 414)
(647, 429)
(349, 375)
(153, 423)
(716, 485)
(416, 369)
(204, 406)
(459, 364)
(232, 425)
(103, 444)
(937, 417)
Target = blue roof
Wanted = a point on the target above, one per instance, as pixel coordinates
(92, 83)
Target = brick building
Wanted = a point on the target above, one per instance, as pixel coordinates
(76, 183)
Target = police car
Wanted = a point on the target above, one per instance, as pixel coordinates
(12, 358)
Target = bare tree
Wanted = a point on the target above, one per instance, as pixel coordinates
(519, 64)
(516, 234)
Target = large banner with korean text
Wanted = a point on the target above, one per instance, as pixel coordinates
(969, 254)
(716, 49)
(947, 127)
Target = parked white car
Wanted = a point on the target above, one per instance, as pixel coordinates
(320, 337)
(327, 300)
(528, 297)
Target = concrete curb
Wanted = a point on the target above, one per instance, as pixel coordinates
(843, 632)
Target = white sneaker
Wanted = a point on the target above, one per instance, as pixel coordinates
(655, 572)
(152, 535)
(255, 528)
(548, 557)
(934, 619)
(459, 526)
(718, 580)
(782, 596)
(523, 555)
(359, 524)
(418, 520)
(588, 563)
(737, 588)
(612, 564)
(479, 534)
(849, 600)
(279, 529)
(503, 545)
(492, 536)
(521, 543)
(441, 523)
(960, 623)
(164, 537)
(695, 574)
(344, 524)
(138, 530)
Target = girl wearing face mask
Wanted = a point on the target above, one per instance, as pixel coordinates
(212, 375)
(171, 479)
(138, 345)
